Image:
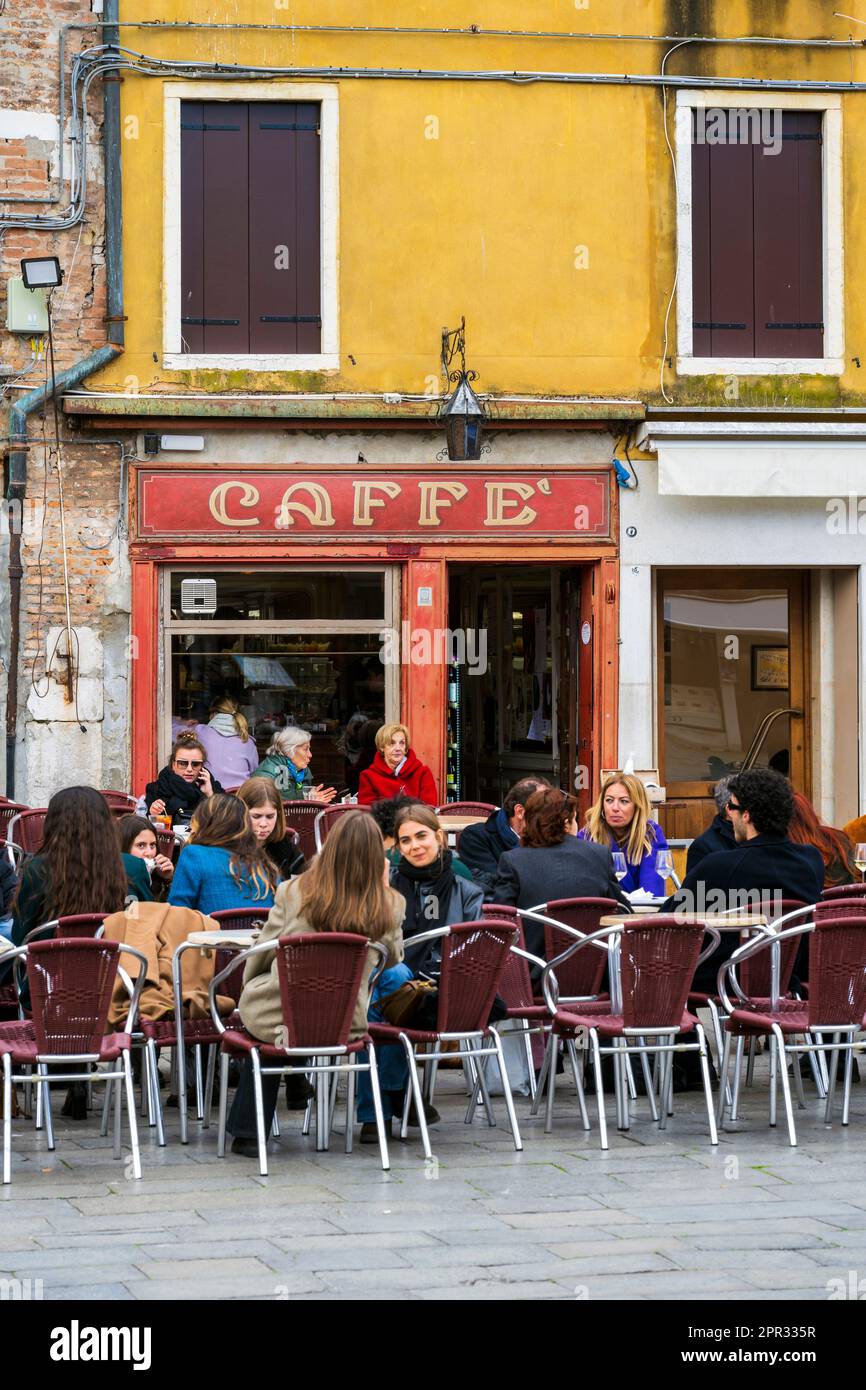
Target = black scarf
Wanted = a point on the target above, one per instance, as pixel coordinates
(180, 797)
(427, 890)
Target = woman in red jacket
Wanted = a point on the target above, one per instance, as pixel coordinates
(395, 770)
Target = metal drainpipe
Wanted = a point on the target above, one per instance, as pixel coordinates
(16, 477)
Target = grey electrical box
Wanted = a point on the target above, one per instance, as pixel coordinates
(198, 596)
(26, 310)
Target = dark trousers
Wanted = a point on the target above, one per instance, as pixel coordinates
(242, 1116)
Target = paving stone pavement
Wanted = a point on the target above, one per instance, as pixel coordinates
(661, 1215)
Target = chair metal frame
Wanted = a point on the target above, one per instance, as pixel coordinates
(533, 915)
(321, 1062)
(632, 1040)
(122, 1075)
(816, 1060)
(14, 853)
(779, 1048)
(204, 1087)
(473, 1046)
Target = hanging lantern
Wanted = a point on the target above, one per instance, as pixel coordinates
(463, 414)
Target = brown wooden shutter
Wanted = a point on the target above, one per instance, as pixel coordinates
(788, 241)
(757, 239)
(284, 225)
(723, 252)
(250, 188)
(214, 236)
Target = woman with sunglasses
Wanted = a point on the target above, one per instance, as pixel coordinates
(183, 783)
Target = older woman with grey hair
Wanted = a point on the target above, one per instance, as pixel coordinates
(718, 835)
(287, 764)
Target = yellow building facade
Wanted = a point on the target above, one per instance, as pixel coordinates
(543, 209)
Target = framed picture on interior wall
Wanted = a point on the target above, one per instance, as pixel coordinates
(769, 668)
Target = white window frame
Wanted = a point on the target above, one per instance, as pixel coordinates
(326, 96)
(170, 627)
(833, 361)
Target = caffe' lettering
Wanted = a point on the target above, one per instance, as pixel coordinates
(502, 497)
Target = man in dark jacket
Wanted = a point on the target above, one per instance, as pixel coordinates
(719, 835)
(764, 867)
(482, 846)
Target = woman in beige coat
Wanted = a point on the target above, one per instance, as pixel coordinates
(345, 889)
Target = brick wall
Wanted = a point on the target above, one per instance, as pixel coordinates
(53, 751)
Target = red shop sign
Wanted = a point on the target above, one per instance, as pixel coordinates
(301, 505)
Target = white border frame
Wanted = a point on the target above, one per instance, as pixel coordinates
(326, 95)
(833, 362)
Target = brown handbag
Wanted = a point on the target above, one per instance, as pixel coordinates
(403, 1006)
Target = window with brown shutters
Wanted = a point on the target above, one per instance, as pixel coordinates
(757, 256)
(250, 228)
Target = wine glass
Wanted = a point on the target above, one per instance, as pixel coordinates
(860, 860)
(664, 864)
(620, 867)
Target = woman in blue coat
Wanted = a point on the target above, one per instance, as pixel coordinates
(620, 819)
(223, 865)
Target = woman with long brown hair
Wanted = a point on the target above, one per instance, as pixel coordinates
(833, 845)
(268, 819)
(345, 889)
(223, 865)
(78, 869)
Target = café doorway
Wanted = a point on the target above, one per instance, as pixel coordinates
(519, 698)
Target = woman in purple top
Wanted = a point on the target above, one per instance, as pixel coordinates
(621, 820)
(231, 753)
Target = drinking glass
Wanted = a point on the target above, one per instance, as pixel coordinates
(664, 864)
(620, 867)
(860, 860)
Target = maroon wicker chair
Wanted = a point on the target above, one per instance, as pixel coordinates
(120, 803)
(836, 1004)
(466, 808)
(8, 811)
(327, 819)
(578, 977)
(515, 986)
(320, 975)
(196, 1032)
(845, 890)
(474, 957)
(71, 984)
(25, 829)
(658, 957)
(301, 816)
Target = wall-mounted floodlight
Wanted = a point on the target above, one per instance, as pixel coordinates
(41, 272)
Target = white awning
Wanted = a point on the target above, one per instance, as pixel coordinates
(761, 468)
